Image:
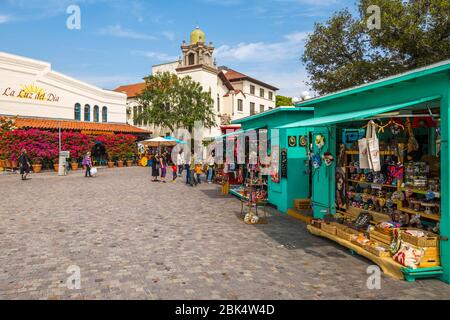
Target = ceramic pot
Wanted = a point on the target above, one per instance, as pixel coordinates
(120, 164)
(37, 167)
(56, 167)
(74, 166)
(110, 164)
(129, 163)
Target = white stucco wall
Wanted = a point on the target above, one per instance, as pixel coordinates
(170, 67)
(59, 95)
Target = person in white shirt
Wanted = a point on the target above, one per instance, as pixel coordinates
(180, 162)
(210, 163)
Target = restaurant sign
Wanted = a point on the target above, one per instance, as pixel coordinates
(32, 92)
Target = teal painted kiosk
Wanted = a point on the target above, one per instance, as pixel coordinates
(296, 185)
(413, 106)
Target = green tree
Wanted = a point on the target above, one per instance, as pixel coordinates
(343, 52)
(283, 101)
(175, 102)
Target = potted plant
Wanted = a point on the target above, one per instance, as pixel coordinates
(74, 164)
(110, 161)
(120, 163)
(129, 158)
(14, 161)
(37, 164)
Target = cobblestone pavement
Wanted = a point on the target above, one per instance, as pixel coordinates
(134, 239)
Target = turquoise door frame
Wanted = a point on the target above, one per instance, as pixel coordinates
(296, 185)
(323, 197)
(445, 187)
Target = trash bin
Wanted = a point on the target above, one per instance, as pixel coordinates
(62, 169)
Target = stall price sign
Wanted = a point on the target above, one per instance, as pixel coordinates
(363, 220)
(284, 168)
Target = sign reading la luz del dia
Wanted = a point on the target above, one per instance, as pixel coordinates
(32, 92)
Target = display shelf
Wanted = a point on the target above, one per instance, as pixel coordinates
(434, 217)
(423, 192)
(388, 265)
(373, 183)
(377, 216)
(382, 153)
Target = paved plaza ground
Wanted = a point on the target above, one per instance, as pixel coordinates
(134, 239)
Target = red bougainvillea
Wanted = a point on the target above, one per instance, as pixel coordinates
(44, 145)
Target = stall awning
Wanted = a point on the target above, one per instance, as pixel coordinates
(355, 115)
(235, 133)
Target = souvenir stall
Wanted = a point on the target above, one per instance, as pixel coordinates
(245, 178)
(287, 151)
(380, 173)
(148, 148)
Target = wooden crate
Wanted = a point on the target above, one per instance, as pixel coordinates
(380, 237)
(328, 228)
(302, 204)
(430, 240)
(378, 253)
(346, 234)
(431, 258)
(338, 225)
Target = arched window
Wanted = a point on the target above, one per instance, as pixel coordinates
(104, 114)
(87, 112)
(96, 114)
(77, 112)
(191, 59)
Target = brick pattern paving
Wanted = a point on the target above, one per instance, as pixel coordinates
(135, 239)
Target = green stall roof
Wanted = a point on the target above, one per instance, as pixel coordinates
(235, 133)
(271, 112)
(411, 75)
(355, 115)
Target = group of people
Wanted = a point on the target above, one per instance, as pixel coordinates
(160, 164)
(195, 168)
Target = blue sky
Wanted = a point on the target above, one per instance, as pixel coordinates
(120, 40)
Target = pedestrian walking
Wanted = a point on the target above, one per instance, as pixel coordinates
(193, 179)
(87, 162)
(155, 168)
(163, 162)
(180, 163)
(24, 164)
(174, 172)
(187, 166)
(210, 167)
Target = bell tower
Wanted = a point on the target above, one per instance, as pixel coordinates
(197, 52)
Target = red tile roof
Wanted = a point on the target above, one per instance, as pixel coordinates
(131, 90)
(39, 123)
(233, 75)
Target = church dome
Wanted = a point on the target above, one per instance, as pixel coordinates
(197, 36)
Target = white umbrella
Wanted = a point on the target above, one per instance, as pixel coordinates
(158, 142)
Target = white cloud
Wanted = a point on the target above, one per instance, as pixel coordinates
(118, 31)
(290, 47)
(169, 35)
(291, 83)
(155, 55)
(107, 81)
(4, 18)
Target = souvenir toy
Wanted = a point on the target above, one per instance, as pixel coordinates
(328, 159)
(320, 141)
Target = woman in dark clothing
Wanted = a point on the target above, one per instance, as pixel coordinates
(24, 164)
(163, 167)
(155, 168)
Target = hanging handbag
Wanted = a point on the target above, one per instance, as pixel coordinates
(369, 149)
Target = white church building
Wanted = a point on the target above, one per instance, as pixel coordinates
(235, 95)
